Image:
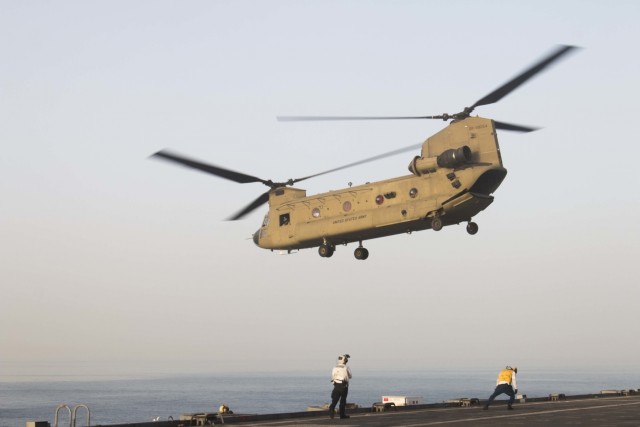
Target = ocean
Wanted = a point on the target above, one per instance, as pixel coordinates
(115, 399)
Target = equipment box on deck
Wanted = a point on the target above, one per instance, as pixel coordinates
(402, 400)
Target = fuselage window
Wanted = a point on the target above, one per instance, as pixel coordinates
(315, 213)
(284, 219)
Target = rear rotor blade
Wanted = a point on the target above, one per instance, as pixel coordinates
(208, 168)
(514, 83)
(345, 118)
(512, 127)
(370, 159)
(261, 200)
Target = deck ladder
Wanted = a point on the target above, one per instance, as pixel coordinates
(72, 414)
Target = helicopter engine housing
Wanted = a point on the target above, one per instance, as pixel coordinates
(452, 158)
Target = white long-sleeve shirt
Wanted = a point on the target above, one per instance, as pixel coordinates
(340, 374)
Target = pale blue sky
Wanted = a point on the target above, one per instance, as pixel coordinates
(123, 264)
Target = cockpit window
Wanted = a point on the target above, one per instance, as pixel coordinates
(265, 221)
(284, 219)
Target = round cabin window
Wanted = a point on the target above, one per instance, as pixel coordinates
(379, 199)
(315, 213)
(346, 206)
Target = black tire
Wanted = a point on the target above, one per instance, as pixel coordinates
(325, 251)
(436, 224)
(361, 253)
(472, 228)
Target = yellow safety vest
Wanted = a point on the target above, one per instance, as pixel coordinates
(505, 376)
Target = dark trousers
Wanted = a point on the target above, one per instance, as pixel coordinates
(500, 389)
(339, 392)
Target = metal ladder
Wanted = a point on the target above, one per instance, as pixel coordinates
(72, 414)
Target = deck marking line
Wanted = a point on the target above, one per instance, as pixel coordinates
(433, 423)
(510, 415)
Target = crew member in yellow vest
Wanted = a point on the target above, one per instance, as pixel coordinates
(506, 384)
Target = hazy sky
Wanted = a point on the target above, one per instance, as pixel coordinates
(122, 264)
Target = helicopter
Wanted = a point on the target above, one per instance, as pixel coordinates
(451, 181)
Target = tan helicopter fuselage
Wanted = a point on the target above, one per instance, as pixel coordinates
(451, 181)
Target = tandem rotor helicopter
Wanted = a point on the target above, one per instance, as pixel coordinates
(451, 181)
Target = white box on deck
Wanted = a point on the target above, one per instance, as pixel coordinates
(402, 400)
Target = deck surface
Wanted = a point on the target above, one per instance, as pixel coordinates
(601, 411)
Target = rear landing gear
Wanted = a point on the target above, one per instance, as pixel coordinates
(361, 253)
(472, 228)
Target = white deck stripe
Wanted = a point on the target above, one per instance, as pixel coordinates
(519, 414)
(344, 423)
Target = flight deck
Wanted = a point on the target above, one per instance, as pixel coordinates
(603, 409)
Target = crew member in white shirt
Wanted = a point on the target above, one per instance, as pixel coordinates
(340, 376)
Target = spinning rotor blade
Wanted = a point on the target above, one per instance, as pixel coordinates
(345, 118)
(515, 128)
(208, 168)
(514, 83)
(243, 178)
(261, 200)
(370, 159)
(499, 125)
(491, 98)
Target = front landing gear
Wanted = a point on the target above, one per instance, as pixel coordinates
(472, 228)
(361, 253)
(436, 223)
(326, 251)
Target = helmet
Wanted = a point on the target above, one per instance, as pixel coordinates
(344, 358)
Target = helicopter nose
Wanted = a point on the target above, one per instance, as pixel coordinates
(256, 237)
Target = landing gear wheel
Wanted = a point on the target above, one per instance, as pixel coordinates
(361, 253)
(472, 228)
(436, 224)
(325, 251)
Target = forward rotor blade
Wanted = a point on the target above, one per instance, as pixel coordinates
(370, 159)
(208, 168)
(515, 128)
(261, 200)
(345, 118)
(508, 87)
